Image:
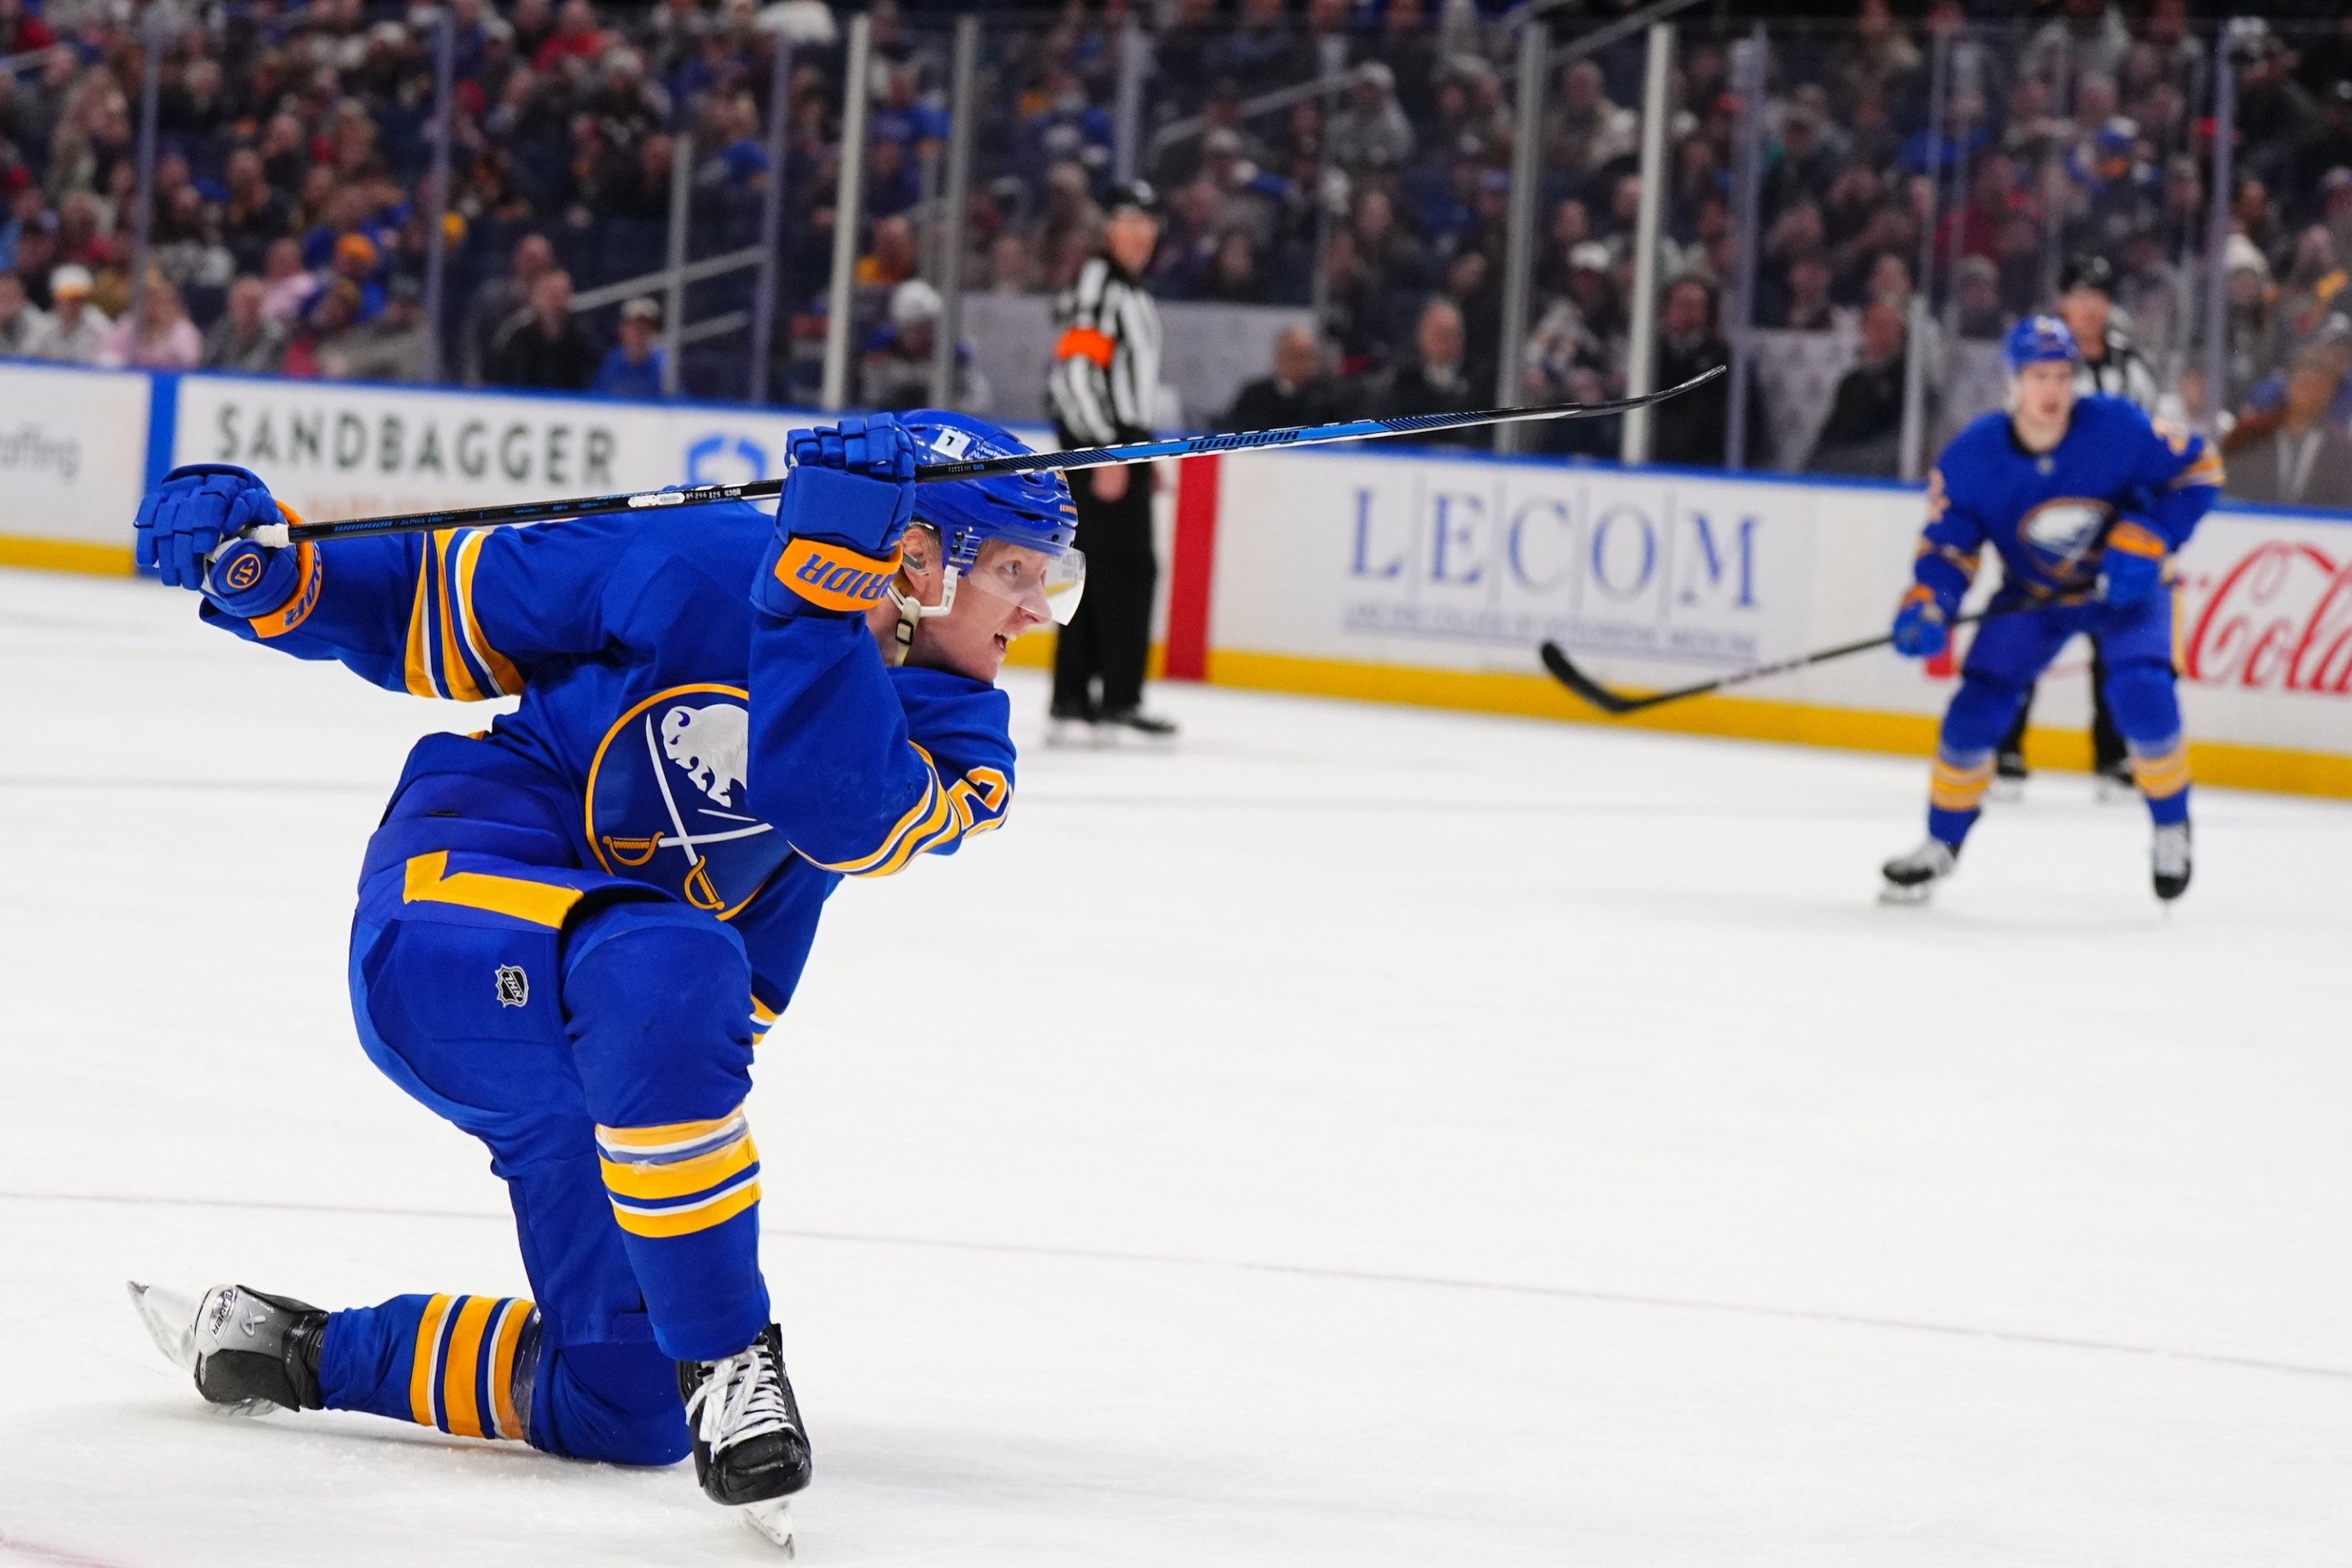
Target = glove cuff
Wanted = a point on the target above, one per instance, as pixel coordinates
(311, 576)
(816, 573)
(1921, 593)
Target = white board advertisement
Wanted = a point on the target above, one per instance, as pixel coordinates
(333, 450)
(1421, 564)
(72, 449)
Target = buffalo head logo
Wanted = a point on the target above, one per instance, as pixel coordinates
(713, 745)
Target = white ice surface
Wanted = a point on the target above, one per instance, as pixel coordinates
(1363, 1136)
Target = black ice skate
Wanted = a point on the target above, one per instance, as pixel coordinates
(2008, 776)
(1135, 720)
(247, 1350)
(2114, 782)
(750, 1449)
(1911, 878)
(2168, 858)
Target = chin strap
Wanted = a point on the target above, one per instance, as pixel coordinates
(913, 611)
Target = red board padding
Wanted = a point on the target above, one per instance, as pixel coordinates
(1192, 568)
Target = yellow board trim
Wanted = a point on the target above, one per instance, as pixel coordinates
(464, 1361)
(66, 555)
(420, 1375)
(430, 881)
(2223, 764)
(686, 1222)
(685, 1177)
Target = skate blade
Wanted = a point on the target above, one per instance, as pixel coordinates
(1896, 894)
(772, 1523)
(2005, 792)
(170, 1319)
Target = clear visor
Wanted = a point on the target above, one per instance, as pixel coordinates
(1046, 586)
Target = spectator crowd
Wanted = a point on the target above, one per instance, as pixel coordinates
(290, 225)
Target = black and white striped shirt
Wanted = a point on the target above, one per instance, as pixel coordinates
(1106, 376)
(2122, 373)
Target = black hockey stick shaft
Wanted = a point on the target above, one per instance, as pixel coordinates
(981, 468)
(1617, 703)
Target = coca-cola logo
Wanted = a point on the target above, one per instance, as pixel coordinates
(2281, 619)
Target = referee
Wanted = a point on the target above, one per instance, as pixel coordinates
(2111, 367)
(1104, 380)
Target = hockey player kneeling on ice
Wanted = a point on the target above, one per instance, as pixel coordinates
(572, 927)
(2085, 500)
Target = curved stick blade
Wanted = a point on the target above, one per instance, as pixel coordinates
(1584, 685)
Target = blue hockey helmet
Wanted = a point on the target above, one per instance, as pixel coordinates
(1032, 510)
(2036, 339)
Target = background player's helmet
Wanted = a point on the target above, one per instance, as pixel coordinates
(2036, 339)
(1033, 510)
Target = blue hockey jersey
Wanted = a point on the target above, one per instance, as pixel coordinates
(743, 762)
(2117, 480)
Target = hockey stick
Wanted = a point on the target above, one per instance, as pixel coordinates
(975, 468)
(1616, 704)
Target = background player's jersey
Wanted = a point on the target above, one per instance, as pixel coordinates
(2115, 481)
(683, 738)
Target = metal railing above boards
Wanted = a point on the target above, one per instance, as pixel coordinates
(1529, 208)
(1850, 216)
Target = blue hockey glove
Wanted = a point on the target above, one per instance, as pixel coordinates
(2132, 567)
(845, 507)
(198, 506)
(852, 484)
(1922, 624)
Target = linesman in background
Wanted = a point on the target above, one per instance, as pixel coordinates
(1104, 382)
(2111, 367)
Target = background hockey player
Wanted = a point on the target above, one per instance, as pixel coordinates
(2086, 501)
(2110, 367)
(1103, 386)
(570, 927)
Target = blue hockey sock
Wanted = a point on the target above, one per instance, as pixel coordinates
(1956, 789)
(447, 1361)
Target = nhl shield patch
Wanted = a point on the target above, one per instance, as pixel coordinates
(514, 985)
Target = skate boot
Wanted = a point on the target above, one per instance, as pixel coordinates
(1136, 721)
(1070, 727)
(2009, 775)
(750, 1449)
(2168, 858)
(2114, 782)
(1911, 878)
(247, 1350)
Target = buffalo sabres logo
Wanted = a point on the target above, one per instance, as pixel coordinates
(513, 985)
(2064, 534)
(666, 799)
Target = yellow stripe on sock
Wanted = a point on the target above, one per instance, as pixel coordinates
(651, 1141)
(684, 1178)
(420, 1374)
(2159, 777)
(1951, 788)
(462, 1364)
(502, 1364)
(686, 1221)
